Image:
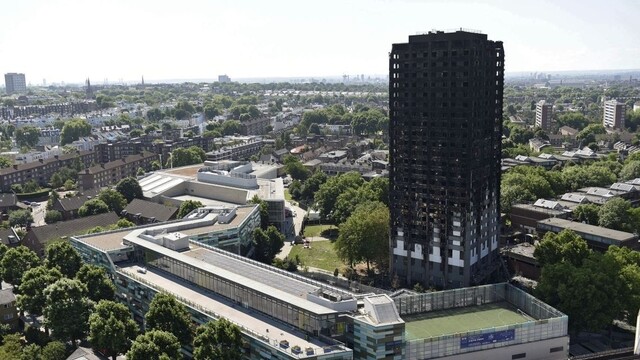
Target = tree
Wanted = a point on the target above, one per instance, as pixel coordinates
(264, 211)
(614, 214)
(67, 309)
(189, 156)
(114, 200)
(64, 257)
(587, 213)
(630, 170)
(167, 314)
(211, 112)
(20, 218)
(16, 262)
(565, 286)
(54, 350)
(218, 339)
(124, 223)
(267, 244)
(328, 193)
(73, 129)
(188, 206)
(130, 189)
(565, 246)
(31, 352)
(27, 136)
(294, 167)
(11, 347)
(33, 283)
(99, 286)
(93, 206)
(52, 216)
(364, 236)
(155, 345)
(5, 162)
(111, 328)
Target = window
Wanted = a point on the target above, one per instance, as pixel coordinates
(519, 356)
(556, 349)
(8, 316)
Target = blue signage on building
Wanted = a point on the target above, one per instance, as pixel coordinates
(489, 338)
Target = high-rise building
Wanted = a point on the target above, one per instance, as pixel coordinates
(224, 79)
(544, 115)
(614, 113)
(15, 83)
(445, 100)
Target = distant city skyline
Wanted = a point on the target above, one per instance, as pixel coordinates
(70, 40)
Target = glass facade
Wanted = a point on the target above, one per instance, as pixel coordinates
(299, 318)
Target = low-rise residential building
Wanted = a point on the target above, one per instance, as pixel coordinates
(146, 212)
(37, 238)
(8, 309)
(112, 172)
(241, 149)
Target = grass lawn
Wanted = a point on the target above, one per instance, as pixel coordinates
(316, 230)
(321, 255)
(287, 195)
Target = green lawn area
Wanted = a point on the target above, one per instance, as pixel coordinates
(321, 255)
(287, 195)
(316, 230)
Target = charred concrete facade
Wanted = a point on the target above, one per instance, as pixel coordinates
(445, 100)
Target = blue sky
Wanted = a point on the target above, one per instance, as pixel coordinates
(70, 40)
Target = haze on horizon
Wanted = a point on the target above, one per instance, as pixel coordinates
(70, 40)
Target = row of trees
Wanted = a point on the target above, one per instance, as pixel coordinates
(363, 120)
(571, 272)
(77, 300)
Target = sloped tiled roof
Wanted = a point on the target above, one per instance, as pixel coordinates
(73, 227)
(150, 209)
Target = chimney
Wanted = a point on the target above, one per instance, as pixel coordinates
(41, 161)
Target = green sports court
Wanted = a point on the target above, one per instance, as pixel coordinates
(461, 320)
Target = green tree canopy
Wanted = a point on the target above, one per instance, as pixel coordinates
(15, 262)
(364, 236)
(112, 328)
(218, 339)
(54, 350)
(587, 213)
(67, 309)
(114, 200)
(130, 189)
(20, 218)
(27, 136)
(73, 129)
(64, 257)
(99, 286)
(328, 193)
(614, 214)
(52, 216)
(155, 345)
(188, 206)
(630, 170)
(189, 156)
(565, 246)
(93, 206)
(293, 166)
(267, 244)
(167, 314)
(33, 283)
